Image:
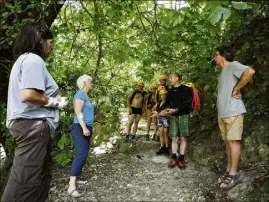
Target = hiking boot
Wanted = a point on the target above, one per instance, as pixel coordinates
(160, 151)
(134, 138)
(173, 163)
(166, 151)
(147, 137)
(154, 136)
(157, 138)
(182, 164)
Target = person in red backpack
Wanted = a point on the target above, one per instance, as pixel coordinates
(180, 98)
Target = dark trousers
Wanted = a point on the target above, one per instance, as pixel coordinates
(82, 145)
(30, 175)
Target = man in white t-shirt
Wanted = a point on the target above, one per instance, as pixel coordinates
(233, 77)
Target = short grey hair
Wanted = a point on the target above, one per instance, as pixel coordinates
(82, 79)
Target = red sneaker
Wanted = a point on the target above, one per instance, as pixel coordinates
(181, 164)
(173, 163)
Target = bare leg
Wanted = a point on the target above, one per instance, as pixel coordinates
(183, 145)
(136, 121)
(174, 145)
(149, 120)
(155, 125)
(235, 155)
(161, 136)
(165, 135)
(228, 152)
(130, 123)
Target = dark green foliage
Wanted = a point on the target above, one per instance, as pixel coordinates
(121, 42)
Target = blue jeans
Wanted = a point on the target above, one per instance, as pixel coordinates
(82, 146)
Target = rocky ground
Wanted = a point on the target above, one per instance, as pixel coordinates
(137, 177)
(135, 173)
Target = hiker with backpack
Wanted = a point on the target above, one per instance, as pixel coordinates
(180, 98)
(163, 122)
(150, 102)
(135, 107)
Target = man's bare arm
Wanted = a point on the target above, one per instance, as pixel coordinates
(246, 76)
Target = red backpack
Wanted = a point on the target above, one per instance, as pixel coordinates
(195, 106)
(195, 100)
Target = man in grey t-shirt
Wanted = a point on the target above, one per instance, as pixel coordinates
(233, 77)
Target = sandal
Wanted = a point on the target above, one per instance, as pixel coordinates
(223, 177)
(231, 181)
(75, 193)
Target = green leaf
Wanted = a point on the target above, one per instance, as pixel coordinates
(62, 159)
(177, 20)
(241, 5)
(191, 2)
(111, 13)
(212, 4)
(217, 13)
(5, 14)
(226, 13)
(170, 14)
(10, 42)
(14, 35)
(63, 141)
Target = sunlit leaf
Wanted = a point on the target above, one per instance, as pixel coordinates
(240, 5)
(219, 12)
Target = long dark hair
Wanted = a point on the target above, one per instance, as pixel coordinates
(32, 38)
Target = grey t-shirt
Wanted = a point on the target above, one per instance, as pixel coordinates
(29, 71)
(226, 104)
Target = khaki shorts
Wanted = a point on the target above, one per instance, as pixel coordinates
(231, 128)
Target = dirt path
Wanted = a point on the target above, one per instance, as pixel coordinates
(139, 176)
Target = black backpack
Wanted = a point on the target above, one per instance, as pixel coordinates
(137, 91)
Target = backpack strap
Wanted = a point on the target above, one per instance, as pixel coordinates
(158, 105)
(144, 93)
(149, 97)
(133, 95)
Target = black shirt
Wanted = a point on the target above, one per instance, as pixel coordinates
(163, 106)
(180, 98)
